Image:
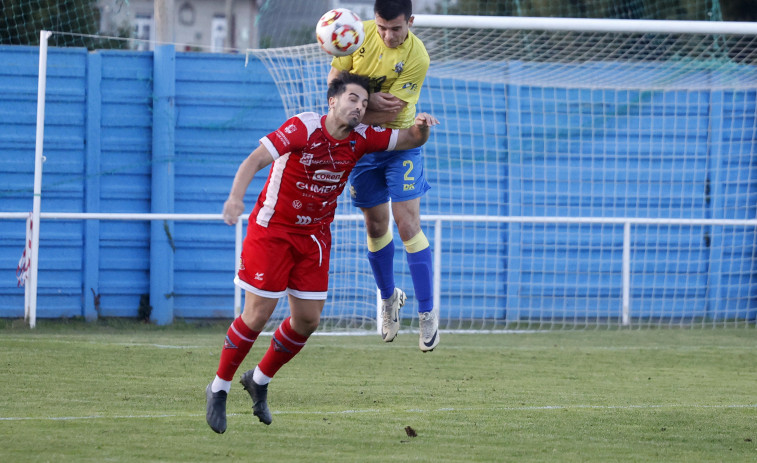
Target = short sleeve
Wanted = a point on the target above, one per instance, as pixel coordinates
(342, 63)
(292, 135)
(380, 139)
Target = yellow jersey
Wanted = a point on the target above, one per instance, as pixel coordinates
(399, 71)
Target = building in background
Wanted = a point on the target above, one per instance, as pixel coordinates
(228, 25)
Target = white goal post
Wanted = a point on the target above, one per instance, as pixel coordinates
(613, 26)
(587, 172)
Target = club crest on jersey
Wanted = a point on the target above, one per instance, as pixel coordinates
(290, 128)
(399, 67)
(306, 159)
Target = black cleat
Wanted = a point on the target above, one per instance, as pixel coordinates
(215, 410)
(259, 395)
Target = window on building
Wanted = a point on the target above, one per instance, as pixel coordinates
(144, 31)
(218, 34)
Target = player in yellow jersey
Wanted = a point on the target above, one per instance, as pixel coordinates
(396, 61)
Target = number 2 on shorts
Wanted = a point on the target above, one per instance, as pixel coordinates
(408, 163)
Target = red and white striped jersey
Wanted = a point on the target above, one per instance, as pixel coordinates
(310, 170)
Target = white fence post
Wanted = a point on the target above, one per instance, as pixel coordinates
(626, 274)
(38, 160)
(237, 256)
(437, 275)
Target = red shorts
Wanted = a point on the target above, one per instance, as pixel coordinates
(275, 263)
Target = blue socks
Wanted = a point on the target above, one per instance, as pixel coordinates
(420, 262)
(421, 272)
(382, 264)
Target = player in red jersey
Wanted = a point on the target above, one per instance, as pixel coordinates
(288, 243)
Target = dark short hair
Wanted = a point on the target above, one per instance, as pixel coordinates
(339, 84)
(391, 9)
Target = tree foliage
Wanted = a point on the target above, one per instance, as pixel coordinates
(22, 20)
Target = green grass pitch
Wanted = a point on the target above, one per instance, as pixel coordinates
(123, 391)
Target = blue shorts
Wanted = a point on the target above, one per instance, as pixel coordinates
(398, 175)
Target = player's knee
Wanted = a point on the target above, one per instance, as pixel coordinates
(305, 325)
(408, 229)
(379, 243)
(408, 222)
(254, 319)
(376, 229)
(376, 221)
(416, 243)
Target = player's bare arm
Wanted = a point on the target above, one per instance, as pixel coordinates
(383, 101)
(234, 205)
(382, 107)
(416, 135)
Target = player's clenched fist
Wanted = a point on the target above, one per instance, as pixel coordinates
(417, 134)
(232, 209)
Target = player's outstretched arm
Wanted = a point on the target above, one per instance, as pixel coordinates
(418, 134)
(234, 205)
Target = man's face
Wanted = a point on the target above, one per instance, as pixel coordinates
(393, 32)
(349, 107)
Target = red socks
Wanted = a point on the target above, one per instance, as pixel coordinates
(239, 340)
(286, 343)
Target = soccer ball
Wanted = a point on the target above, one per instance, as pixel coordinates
(339, 32)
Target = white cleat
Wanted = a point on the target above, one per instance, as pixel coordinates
(429, 328)
(390, 315)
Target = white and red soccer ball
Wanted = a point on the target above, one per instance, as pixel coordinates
(340, 32)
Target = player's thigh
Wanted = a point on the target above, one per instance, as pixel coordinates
(367, 182)
(266, 262)
(309, 278)
(377, 220)
(257, 310)
(407, 215)
(405, 177)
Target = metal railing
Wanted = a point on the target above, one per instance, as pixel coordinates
(437, 220)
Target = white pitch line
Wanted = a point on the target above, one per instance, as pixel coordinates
(379, 411)
(618, 348)
(114, 343)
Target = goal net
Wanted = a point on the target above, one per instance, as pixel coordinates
(580, 177)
